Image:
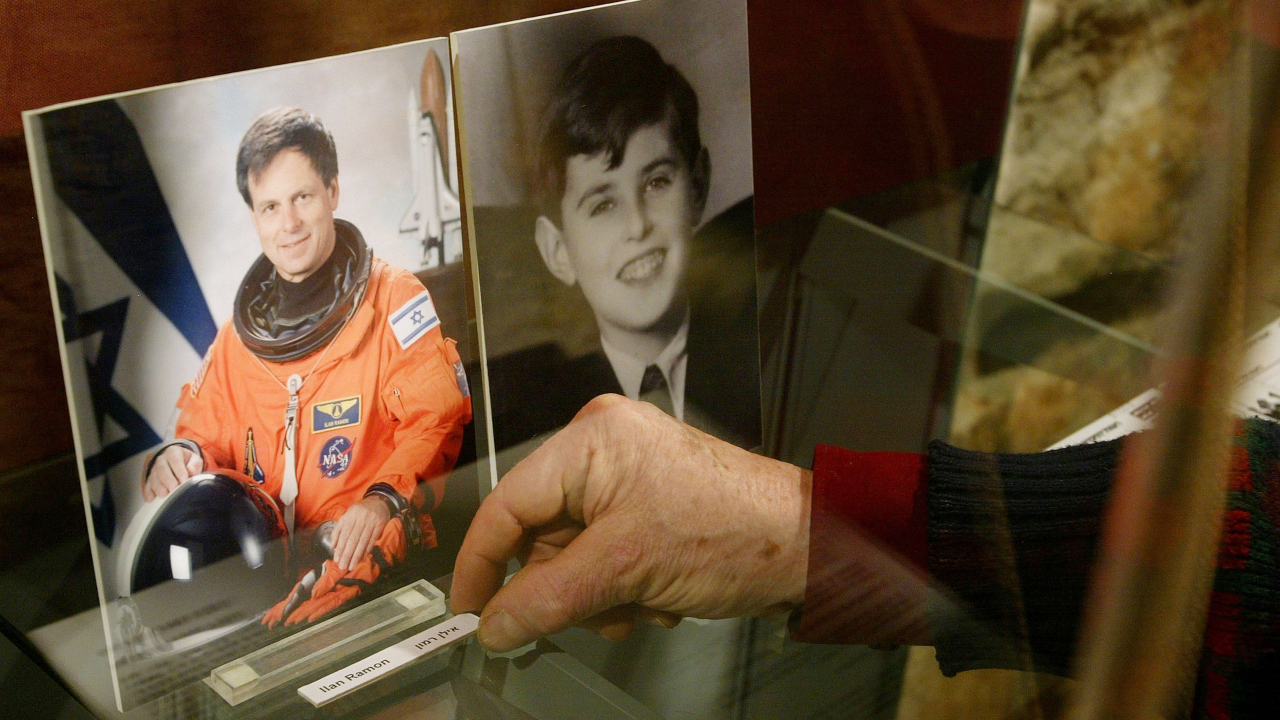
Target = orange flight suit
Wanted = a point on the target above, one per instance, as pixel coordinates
(370, 411)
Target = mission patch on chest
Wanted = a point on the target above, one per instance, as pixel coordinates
(333, 414)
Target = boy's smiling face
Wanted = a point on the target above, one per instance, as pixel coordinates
(625, 231)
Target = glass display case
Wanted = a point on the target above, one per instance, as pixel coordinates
(1106, 250)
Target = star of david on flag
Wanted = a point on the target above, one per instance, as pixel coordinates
(106, 206)
(413, 319)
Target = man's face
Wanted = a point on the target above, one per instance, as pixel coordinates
(627, 230)
(293, 214)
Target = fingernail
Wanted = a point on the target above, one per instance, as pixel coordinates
(499, 632)
(667, 622)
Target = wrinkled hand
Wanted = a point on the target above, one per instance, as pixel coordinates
(313, 598)
(356, 531)
(171, 468)
(626, 514)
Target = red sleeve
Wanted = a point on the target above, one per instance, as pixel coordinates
(868, 551)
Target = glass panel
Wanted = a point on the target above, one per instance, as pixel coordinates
(915, 345)
(148, 264)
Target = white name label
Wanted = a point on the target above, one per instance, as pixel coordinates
(356, 675)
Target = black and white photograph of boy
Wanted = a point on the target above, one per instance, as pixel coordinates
(610, 180)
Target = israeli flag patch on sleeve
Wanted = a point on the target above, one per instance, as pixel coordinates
(414, 319)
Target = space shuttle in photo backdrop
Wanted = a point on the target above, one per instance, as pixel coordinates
(148, 239)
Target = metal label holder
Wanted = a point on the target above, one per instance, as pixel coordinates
(302, 654)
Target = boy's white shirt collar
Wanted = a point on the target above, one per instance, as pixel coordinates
(672, 361)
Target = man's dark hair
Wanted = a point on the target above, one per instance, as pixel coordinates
(280, 129)
(614, 88)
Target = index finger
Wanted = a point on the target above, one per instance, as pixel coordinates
(534, 493)
(339, 537)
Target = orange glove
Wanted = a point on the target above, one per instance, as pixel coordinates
(327, 588)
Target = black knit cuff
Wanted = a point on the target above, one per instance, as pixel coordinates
(1011, 541)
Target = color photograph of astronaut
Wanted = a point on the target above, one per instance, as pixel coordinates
(263, 311)
(607, 156)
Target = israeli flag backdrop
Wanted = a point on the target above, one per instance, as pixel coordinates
(148, 237)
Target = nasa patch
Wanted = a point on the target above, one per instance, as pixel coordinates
(335, 456)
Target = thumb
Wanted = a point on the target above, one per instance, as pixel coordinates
(548, 596)
(195, 463)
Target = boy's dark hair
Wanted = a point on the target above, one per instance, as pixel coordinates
(281, 129)
(614, 88)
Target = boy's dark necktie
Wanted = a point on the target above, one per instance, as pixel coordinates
(653, 389)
